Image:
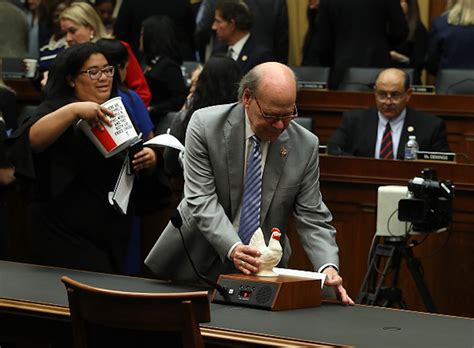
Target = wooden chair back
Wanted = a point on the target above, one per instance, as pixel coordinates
(96, 311)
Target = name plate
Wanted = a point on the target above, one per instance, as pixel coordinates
(315, 85)
(422, 89)
(437, 156)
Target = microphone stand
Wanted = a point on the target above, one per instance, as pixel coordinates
(177, 221)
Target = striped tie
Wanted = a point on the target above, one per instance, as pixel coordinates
(386, 148)
(250, 213)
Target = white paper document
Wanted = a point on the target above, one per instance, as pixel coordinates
(299, 273)
(120, 197)
(165, 140)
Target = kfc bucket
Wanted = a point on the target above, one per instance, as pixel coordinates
(111, 140)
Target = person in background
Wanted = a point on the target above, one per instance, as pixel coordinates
(32, 15)
(163, 66)
(233, 21)
(270, 28)
(47, 18)
(358, 34)
(133, 13)
(71, 222)
(310, 56)
(7, 171)
(8, 105)
(7, 177)
(362, 132)
(192, 86)
(57, 41)
(13, 21)
(217, 84)
(81, 24)
(105, 10)
(8, 122)
(412, 52)
(451, 38)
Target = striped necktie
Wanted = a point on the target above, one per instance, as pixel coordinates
(250, 213)
(386, 148)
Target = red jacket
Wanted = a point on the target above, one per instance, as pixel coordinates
(135, 79)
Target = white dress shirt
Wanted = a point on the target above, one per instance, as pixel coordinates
(237, 47)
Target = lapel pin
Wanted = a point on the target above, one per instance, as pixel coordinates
(244, 58)
(410, 129)
(283, 152)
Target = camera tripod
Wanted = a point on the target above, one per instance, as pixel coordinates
(394, 249)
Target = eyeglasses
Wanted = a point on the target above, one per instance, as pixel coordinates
(275, 118)
(95, 73)
(394, 96)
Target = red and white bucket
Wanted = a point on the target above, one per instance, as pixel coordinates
(114, 139)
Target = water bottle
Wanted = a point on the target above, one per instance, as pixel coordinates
(411, 148)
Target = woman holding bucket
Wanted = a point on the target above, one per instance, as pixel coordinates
(71, 222)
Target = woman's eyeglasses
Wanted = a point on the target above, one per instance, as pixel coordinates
(95, 73)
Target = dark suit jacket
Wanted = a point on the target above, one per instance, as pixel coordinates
(270, 27)
(357, 134)
(416, 51)
(251, 55)
(133, 12)
(358, 34)
(450, 47)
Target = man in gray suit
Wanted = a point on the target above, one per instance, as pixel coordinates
(218, 140)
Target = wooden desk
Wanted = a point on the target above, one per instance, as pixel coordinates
(25, 90)
(326, 108)
(349, 187)
(40, 313)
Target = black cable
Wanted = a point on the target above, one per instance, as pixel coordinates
(177, 222)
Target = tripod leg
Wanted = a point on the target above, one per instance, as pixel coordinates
(372, 284)
(393, 295)
(414, 267)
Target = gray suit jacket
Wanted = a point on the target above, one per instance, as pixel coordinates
(214, 175)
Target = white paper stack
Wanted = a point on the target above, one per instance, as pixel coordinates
(299, 273)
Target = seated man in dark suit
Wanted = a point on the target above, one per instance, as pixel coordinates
(362, 132)
(232, 23)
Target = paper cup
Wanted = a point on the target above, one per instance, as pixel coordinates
(112, 139)
(30, 65)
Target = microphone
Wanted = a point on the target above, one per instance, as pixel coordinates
(177, 221)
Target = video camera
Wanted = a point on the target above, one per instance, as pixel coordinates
(430, 206)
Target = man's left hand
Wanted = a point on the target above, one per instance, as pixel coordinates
(334, 279)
